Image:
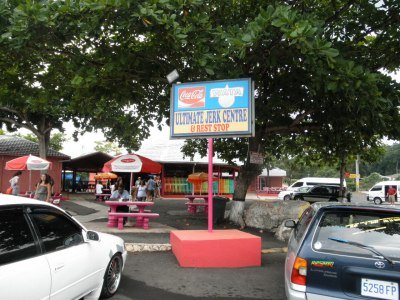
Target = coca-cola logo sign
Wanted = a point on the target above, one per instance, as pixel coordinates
(191, 97)
(128, 160)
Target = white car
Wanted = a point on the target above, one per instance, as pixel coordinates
(47, 254)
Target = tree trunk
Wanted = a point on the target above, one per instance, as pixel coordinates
(44, 139)
(342, 169)
(246, 175)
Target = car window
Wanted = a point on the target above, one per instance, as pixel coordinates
(303, 223)
(56, 230)
(297, 184)
(320, 190)
(16, 239)
(376, 188)
(380, 230)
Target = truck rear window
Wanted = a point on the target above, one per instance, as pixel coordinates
(381, 230)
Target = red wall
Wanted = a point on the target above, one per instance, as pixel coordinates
(273, 182)
(5, 176)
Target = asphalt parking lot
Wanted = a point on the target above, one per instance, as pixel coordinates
(157, 275)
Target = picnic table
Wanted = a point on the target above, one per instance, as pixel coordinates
(192, 205)
(116, 219)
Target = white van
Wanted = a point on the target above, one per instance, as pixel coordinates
(379, 191)
(308, 181)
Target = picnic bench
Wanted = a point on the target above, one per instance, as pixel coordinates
(116, 219)
(142, 219)
(102, 197)
(192, 205)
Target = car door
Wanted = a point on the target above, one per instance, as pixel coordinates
(24, 271)
(75, 265)
(318, 193)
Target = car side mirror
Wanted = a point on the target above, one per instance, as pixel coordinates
(290, 223)
(92, 236)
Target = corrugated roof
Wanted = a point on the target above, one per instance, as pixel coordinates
(170, 152)
(17, 146)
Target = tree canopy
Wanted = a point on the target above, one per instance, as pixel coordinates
(317, 67)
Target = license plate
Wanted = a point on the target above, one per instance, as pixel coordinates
(379, 289)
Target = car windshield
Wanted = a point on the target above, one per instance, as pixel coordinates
(380, 230)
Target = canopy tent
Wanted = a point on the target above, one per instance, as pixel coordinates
(107, 175)
(197, 179)
(132, 163)
(28, 162)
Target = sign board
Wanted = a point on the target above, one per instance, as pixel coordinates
(223, 108)
(353, 176)
(256, 158)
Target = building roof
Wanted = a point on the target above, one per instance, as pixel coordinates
(170, 152)
(92, 162)
(18, 146)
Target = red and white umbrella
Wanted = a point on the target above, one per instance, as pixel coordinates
(28, 162)
(132, 163)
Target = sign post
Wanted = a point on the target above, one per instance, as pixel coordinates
(210, 184)
(212, 109)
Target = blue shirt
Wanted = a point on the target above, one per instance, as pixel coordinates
(151, 185)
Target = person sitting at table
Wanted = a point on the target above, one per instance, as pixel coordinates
(123, 195)
(99, 188)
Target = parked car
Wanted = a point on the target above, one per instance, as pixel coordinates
(308, 182)
(343, 251)
(319, 193)
(379, 191)
(47, 254)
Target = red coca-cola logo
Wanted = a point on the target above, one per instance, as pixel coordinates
(192, 97)
(128, 160)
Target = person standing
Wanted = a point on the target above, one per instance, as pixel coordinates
(14, 182)
(391, 194)
(157, 192)
(43, 188)
(141, 191)
(151, 186)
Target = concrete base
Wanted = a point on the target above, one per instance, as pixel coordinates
(217, 249)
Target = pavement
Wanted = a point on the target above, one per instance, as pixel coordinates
(173, 216)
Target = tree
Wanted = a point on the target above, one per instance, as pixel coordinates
(108, 147)
(316, 66)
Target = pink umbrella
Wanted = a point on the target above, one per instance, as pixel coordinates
(28, 162)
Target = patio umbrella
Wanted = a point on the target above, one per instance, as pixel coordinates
(28, 162)
(132, 163)
(107, 175)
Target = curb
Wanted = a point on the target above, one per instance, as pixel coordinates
(143, 247)
(274, 250)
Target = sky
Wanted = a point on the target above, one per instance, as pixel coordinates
(86, 143)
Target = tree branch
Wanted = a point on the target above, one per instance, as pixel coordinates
(27, 126)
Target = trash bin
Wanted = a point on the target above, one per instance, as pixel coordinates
(219, 205)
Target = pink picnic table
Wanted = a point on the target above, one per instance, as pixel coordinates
(192, 206)
(141, 205)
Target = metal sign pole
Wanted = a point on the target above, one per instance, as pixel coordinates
(210, 185)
